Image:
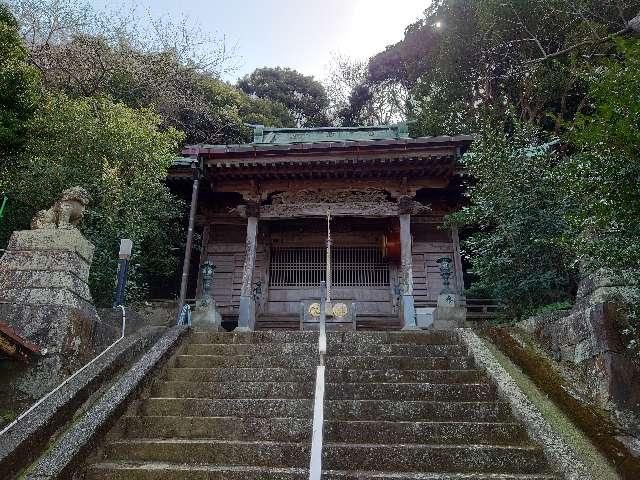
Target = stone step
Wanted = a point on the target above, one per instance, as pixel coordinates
(345, 349)
(369, 475)
(241, 361)
(435, 458)
(299, 430)
(336, 456)
(410, 337)
(297, 361)
(334, 391)
(204, 407)
(267, 336)
(222, 452)
(176, 389)
(353, 338)
(471, 432)
(372, 362)
(180, 471)
(168, 471)
(416, 410)
(397, 349)
(233, 374)
(266, 349)
(405, 376)
(411, 391)
(230, 428)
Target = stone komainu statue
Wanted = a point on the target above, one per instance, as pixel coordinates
(66, 212)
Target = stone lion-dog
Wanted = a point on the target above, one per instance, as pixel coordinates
(66, 212)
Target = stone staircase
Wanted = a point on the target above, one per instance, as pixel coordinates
(397, 406)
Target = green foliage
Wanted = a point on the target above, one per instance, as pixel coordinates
(549, 308)
(121, 157)
(517, 213)
(604, 171)
(467, 56)
(304, 97)
(19, 85)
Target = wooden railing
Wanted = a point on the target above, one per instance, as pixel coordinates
(482, 309)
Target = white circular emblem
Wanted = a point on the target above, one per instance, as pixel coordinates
(340, 310)
(314, 310)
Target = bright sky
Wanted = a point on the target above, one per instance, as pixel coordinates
(301, 34)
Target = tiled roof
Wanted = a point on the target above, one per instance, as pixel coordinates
(289, 148)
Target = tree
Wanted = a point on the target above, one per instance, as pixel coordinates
(355, 100)
(121, 157)
(19, 85)
(604, 171)
(143, 62)
(304, 97)
(517, 216)
(474, 54)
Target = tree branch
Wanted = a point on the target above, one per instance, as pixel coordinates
(564, 51)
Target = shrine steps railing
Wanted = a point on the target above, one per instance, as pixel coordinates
(315, 463)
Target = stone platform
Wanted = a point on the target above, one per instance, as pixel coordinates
(44, 296)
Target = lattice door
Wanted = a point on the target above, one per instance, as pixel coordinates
(306, 267)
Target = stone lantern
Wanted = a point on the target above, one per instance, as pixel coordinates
(206, 313)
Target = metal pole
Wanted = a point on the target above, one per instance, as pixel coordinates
(328, 256)
(187, 250)
(315, 462)
(4, 204)
(126, 246)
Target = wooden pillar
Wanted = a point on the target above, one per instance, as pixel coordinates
(457, 260)
(406, 274)
(247, 314)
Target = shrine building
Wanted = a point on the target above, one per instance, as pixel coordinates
(264, 212)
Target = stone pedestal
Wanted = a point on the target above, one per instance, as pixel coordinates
(206, 315)
(449, 313)
(45, 297)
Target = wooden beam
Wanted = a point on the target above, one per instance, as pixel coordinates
(285, 211)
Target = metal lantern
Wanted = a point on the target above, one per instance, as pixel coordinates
(257, 289)
(207, 275)
(445, 272)
(397, 289)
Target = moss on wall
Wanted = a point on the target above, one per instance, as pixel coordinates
(590, 419)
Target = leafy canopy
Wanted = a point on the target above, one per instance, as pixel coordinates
(121, 157)
(19, 85)
(604, 172)
(517, 214)
(304, 97)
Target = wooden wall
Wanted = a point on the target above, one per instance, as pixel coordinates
(429, 244)
(225, 246)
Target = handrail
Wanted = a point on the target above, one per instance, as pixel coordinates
(68, 379)
(315, 464)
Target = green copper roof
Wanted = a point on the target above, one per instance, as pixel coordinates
(279, 136)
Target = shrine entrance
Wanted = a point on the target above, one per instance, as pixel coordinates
(360, 272)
